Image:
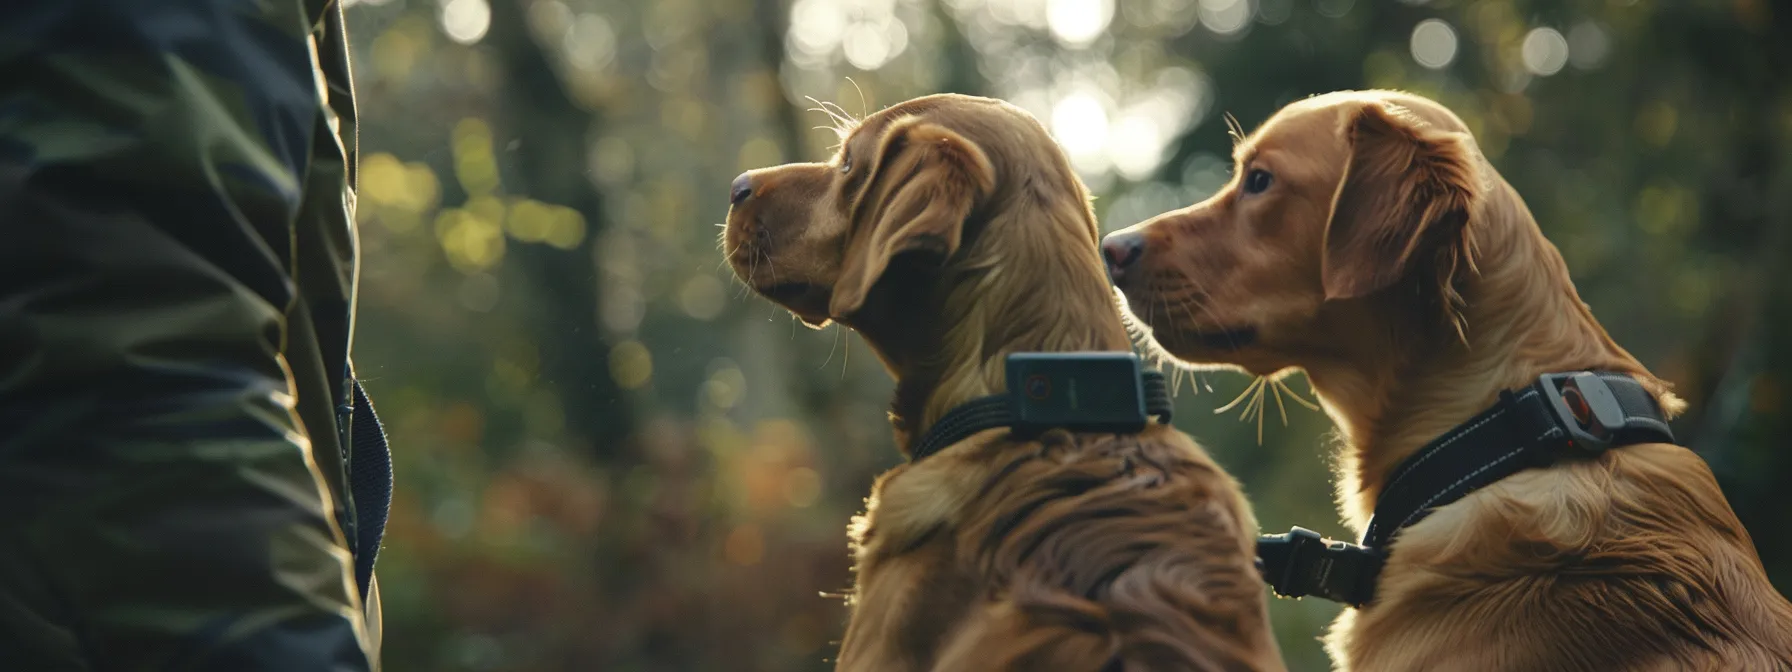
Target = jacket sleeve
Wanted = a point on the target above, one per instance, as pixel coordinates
(161, 504)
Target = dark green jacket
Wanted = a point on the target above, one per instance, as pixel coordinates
(177, 282)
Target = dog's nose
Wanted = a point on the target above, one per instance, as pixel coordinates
(1120, 251)
(742, 188)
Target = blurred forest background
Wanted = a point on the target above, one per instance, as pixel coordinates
(609, 457)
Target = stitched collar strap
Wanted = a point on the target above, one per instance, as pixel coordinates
(1560, 416)
(1080, 391)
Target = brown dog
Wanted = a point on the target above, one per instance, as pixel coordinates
(1366, 241)
(950, 231)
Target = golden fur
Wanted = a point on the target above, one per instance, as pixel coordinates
(1389, 261)
(950, 231)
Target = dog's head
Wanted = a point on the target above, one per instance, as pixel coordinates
(1336, 201)
(947, 231)
(928, 215)
(816, 237)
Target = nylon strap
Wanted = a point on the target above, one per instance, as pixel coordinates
(1560, 416)
(995, 411)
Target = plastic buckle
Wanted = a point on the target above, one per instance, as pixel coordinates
(1302, 563)
(1585, 408)
(1299, 547)
(1078, 391)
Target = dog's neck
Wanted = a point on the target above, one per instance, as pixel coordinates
(1523, 318)
(1031, 282)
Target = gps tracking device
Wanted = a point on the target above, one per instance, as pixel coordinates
(1078, 391)
(1108, 392)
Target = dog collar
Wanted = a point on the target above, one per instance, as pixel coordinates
(1561, 416)
(1108, 392)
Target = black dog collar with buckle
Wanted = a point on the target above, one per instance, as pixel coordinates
(1561, 416)
(1106, 392)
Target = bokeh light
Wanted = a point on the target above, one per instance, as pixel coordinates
(1545, 51)
(866, 33)
(702, 297)
(590, 42)
(631, 364)
(1080, 122)
(1433, 44)
(1076, 23)
(1135, 146)
(465, 21)
(1588, 45)
(1225, 17)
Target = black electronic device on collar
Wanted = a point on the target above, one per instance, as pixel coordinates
(1107, 392)
(1574, 415)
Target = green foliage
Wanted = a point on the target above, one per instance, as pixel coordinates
(609, 456)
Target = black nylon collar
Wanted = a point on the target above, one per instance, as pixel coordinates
(1560, 416)
(1122, 397)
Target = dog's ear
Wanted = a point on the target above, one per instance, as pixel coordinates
(1405, 199)
(926, 179)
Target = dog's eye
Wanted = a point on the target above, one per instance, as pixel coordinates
(1258, 181)
(845, 163)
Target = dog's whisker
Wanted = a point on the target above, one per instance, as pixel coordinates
(838, 111)
(820, 106)
(1257, 406)
(1260, 415)
(741, 288)
(1190, 300)
(843, 122)
(1203, 298)
(835, 127)
(1254, 404)
(1188, 308)
(864, 107)
(1276, 388)
(753, 269)
(1311, 405)
(1241, 396)
(834, 345)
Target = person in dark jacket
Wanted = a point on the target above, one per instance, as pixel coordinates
(190, 477)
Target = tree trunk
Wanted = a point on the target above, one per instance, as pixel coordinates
(550, 132)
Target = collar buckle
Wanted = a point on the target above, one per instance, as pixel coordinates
(1302, 563)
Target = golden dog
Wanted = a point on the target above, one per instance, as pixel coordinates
(950, 231)
(1366, 241)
